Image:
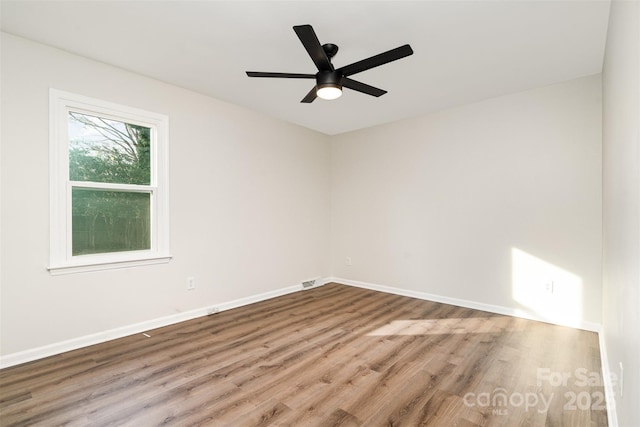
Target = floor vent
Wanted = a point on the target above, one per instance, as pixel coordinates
(308, 283)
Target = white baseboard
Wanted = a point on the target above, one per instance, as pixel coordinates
(509, 311)
(87, 340)
(137, 328)
(609, 392)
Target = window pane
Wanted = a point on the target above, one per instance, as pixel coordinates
(110, 221)
(103, 150)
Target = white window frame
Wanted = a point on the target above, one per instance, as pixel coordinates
(61, 259)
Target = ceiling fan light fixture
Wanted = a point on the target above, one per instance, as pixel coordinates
(329, 91)
(328, 85)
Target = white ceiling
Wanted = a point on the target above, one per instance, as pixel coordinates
(465, 51)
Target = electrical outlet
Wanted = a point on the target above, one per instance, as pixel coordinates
(191, 283)
(549, 286)
(348, 261)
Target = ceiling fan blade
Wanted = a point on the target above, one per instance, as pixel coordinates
(281, 75)
(376, 60)
(311, 96)
(311, 43)
(361, 87)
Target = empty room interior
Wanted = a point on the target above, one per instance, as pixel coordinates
(320, 213)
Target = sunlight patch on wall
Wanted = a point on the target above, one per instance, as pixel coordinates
(549, 291)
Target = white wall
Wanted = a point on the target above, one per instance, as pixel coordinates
(249, 204)
(621, 199)
(458, 202)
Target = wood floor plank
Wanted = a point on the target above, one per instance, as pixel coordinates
(328, 356)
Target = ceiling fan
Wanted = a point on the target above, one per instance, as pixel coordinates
(329, 80)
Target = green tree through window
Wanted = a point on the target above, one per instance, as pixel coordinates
(109, 218)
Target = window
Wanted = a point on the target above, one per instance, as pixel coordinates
(109, 199)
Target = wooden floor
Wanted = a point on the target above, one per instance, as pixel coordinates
(329, 356)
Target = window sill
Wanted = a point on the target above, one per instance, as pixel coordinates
(97, 266)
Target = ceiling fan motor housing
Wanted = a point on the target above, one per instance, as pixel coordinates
(329, 79)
